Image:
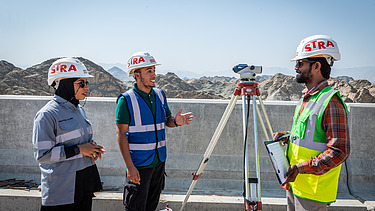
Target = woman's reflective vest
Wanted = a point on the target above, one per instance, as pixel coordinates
(309, 140)
(146, 134)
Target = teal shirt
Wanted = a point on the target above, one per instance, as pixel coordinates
(123, 115)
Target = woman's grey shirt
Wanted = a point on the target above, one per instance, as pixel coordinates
(57, 125)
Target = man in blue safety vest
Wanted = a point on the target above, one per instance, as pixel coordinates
(141, 114)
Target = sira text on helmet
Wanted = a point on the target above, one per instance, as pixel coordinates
(318, 44)
(135, 60)
(63, 68)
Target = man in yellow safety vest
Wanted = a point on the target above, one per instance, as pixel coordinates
(319, 141)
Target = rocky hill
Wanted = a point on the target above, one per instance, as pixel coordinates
(120, 74)
(281, 87)
(33, 81)
(175, 87)
(356, 91)
(277, 88)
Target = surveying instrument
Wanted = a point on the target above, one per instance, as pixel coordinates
(247, 88)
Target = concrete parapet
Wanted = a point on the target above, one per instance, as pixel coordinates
(187, 144)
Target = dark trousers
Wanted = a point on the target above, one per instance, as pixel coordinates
(145, 197)
(84, 205)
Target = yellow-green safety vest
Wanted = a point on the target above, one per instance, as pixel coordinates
(307, 140)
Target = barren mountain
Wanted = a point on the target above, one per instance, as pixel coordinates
(120, 74)
(33, 81)
(281, 87)
(175, 87)
(277, 88)
(357, 91)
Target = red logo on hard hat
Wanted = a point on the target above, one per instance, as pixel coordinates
(62, 68)
(134, 61)
(318, 45)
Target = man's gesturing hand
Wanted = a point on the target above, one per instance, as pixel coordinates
(183, 119)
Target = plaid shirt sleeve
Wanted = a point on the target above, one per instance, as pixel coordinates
(335, 124)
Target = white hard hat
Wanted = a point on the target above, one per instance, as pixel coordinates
(139, 60)
(67, 68)
(318, 46)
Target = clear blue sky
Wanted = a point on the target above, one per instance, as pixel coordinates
(196, 35)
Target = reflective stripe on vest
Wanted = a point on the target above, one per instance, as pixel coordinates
(146, 132)
(138, 127)
(150, 146)
(309, 140)
(158, 92)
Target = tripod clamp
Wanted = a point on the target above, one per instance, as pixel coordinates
(247, 88)
(253, 205)
(195, 176)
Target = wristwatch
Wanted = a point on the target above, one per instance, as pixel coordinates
(175, 123)
(76, 150)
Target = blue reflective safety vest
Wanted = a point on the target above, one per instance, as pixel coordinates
(146, 134)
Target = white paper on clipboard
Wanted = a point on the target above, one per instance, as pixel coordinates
(278, 158)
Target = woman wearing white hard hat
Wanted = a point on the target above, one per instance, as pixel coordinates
(62, 141)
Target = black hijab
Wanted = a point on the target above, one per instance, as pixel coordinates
(66, 90)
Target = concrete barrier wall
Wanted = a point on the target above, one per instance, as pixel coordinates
(186, 145)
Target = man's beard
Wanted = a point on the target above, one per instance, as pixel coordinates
(304, 77)
(144, 84)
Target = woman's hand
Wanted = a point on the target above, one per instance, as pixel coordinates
(92, 150)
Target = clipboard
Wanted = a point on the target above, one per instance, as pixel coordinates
(277, 155)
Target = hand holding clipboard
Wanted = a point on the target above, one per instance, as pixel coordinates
(279, 160)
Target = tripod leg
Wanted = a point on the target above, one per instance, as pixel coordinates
(257, 166)
(255, 202)
(265, 115)
(253, 194)
(211, 146)
(246, 157)
(262, 123)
